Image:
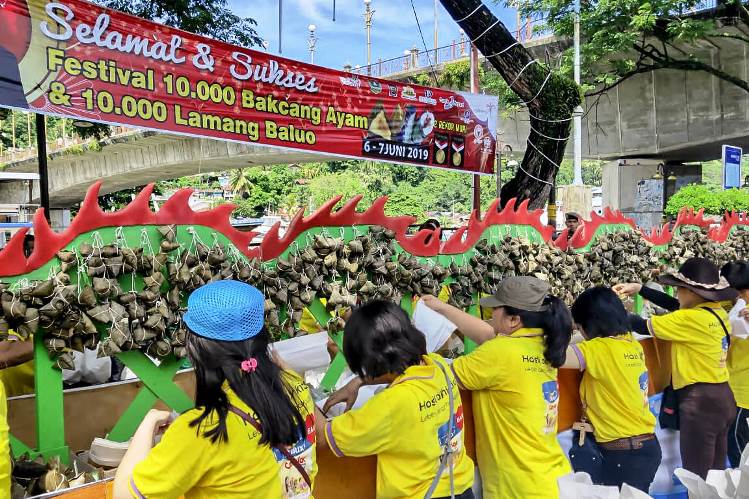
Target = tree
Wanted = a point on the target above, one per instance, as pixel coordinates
(325, 187)
(550, 96)
(624, 38)
(712, 199)
(240, 181)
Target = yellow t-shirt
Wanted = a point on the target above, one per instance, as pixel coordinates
(738, 370)
(18, 380)
(614, 387)
(515, 408)
(406, 426)
(700, 345)
(4, 446)
(186, 463)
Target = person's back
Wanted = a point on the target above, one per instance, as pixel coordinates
(252, 433)
(615, 387)
(516, 402)
(240, 467)
(408, 425)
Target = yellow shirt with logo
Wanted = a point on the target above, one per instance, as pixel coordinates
(5, 466)
(515, 408)
(406, 426)
(699, 344)
(614, 387)
(187, 464)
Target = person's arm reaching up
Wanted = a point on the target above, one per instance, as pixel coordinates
(472, 327)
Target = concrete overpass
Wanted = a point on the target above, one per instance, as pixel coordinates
(136, 158)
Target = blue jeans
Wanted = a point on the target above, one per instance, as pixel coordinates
(635, 467)
(468, 494)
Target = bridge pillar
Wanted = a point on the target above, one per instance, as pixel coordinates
(640, 188)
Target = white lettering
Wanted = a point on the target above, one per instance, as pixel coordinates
(61, 21)
(114, 40)
(271, 73)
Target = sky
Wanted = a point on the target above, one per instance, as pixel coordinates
(394, 27)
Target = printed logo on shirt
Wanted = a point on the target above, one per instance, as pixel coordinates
(724, 354)
(550, 391)
(456, 443)
(644, 382)
(293, 484)
(551, 397)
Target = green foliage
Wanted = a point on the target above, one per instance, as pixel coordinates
(712, 199)
(626, 37)
(457, 76)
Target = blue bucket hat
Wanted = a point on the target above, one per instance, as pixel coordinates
(226, 311)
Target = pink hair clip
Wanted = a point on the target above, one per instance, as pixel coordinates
(249, 365)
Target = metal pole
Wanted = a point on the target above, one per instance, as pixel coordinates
(41, 150)
(280, 24)
(368, 14)
(577, 118)
(435, 29)
(475, 90)
(498, 167)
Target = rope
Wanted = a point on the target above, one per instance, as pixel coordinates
(485, 32)
(521, 72)
(472, 13)
(539, 90)
(503, 50)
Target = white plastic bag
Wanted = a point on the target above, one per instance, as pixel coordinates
(304, 353)
(88, 368)
(435, 326)
(580, 486)
(739, 325)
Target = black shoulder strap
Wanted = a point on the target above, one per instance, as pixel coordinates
(722, 324)
(294, 462)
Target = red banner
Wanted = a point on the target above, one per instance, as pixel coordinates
(80, 60)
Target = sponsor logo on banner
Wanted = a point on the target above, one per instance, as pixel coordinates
(350, 81)
(450, 102)
(408, 93)
(392, 91)
(427, 98)
(375, 87)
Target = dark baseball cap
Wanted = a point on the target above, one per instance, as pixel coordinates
(572, 215)
(520, 292)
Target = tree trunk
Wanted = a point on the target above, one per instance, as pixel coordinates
(550, 99)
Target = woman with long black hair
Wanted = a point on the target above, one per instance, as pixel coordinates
(415, 425)
(614, 393)
(513, 375)
(252, 431)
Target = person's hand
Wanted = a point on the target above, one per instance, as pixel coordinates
(157, 420)
(346, 394)
(433, 302)
(744, 313)
(627, 289)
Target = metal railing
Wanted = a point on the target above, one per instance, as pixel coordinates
(14, 155)
(531, 29)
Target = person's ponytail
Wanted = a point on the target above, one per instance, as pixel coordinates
(557, 326)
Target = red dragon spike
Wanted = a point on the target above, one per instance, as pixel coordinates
(584, 235)
(12, 257)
